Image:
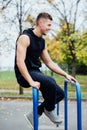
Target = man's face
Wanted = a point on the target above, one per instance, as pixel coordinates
(45, 25)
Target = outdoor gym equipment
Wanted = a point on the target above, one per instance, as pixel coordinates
(79, 106)
(35, 93)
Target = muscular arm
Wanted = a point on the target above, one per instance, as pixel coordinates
(22, 44)
(53, 66)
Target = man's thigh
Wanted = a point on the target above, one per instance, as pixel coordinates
(41, 77)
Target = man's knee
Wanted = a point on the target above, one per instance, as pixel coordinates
(50, 81)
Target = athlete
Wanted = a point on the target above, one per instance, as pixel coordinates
(30, 48)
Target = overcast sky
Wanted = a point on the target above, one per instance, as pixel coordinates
(9, 32)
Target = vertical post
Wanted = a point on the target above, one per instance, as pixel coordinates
(57, 112)
(79, 107)
(66, 105)
(20, 90)
(35, 108)
(57, 108)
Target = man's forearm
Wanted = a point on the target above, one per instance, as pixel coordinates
(54, 67)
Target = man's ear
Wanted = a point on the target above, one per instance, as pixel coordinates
(40, 22)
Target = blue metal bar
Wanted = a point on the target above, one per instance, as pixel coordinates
(79, 107)
(57, 112)
(57, 108)
(66, 105)
(35, 108)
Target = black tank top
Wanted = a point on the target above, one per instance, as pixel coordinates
(33, 53)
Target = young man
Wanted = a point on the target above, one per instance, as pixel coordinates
(29, 48)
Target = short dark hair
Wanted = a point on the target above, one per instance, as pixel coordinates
(43, 15)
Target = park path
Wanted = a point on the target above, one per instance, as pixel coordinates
(12, 115)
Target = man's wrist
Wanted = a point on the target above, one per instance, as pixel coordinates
(65, 75)
(30, 81)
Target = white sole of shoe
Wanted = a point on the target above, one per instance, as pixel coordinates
(58, 123)
(28, 122)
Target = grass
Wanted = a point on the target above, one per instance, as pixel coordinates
(82, 79)
(14, 94)
(8, 82)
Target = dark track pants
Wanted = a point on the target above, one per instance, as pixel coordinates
(51, 92)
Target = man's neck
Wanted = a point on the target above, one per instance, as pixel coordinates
(37, 32)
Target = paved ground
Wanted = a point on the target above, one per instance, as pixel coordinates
(12, 116)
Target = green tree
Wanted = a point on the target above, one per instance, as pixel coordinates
(73, 47)
(68, 45)
(82, 49)
(54, 48)
(67, 14)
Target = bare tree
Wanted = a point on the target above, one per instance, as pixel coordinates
(85, 15)
(18, 18)
(20, 15)
(4, 4)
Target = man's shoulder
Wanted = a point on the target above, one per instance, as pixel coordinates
(27, 32)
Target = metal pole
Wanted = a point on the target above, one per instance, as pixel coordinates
(57, 108)
(66, 105)
(79, 106)
(35, 108)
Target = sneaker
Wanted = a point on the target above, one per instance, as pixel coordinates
(53, 117)
(29, 119)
